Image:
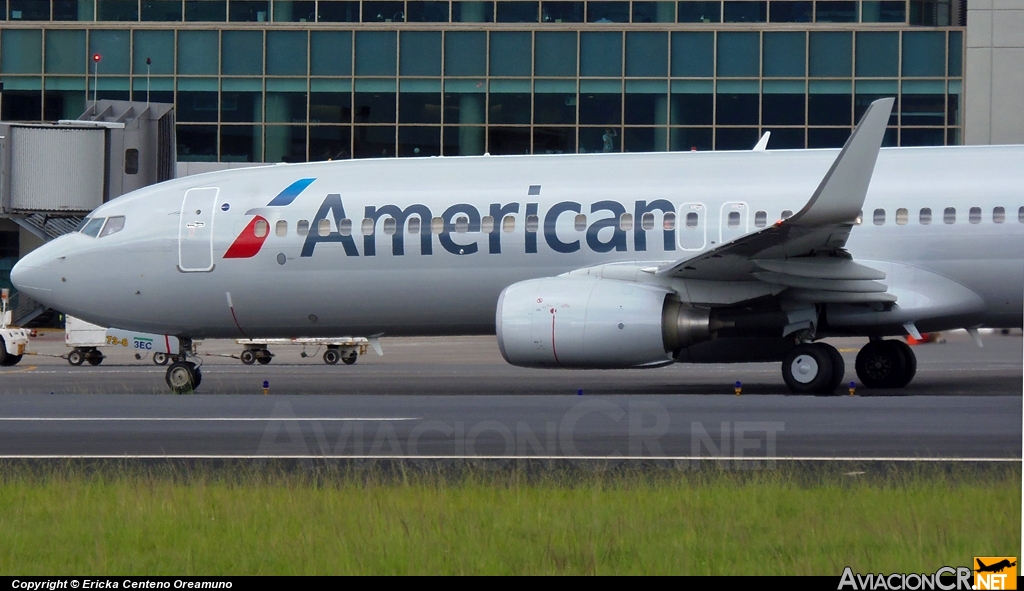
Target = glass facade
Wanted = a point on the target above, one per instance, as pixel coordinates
(312, 80)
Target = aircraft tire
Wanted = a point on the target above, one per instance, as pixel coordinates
(331, 356)
(248, 357)
(351, 358)
(910, 358)
(76, 357)
(181, 377)
(160, 358)
(882, 364)
(199, 377)
(838, 368)
(807, 369)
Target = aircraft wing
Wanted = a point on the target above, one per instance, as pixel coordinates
(806, 251)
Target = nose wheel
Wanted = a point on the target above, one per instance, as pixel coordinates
(183, 377)
(813, 368)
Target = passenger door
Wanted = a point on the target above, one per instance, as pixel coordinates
(195, 230)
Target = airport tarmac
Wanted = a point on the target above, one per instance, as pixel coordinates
(455, 397)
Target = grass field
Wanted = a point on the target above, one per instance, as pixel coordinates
(118, 519)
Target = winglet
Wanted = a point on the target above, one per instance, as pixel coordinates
(840, 196)
(762, 144)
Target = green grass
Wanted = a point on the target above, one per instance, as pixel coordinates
(265, 520)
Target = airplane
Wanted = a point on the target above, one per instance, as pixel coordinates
(994, 568)
(589, 261)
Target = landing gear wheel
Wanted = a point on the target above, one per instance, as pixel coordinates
(331, 357)
(248, 357)
(160, 358)
(182, 377)
(199, 377)
(76, 357)
(883, 364)
(911, 359)
(351, 358)
(808, 369)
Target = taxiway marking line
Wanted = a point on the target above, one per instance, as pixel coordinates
(221, 419)
(456, 457)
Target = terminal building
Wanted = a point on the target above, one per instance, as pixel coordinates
(303, 80)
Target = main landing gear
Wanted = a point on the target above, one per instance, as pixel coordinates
(886, 364)
(183, 377)
(818, 368)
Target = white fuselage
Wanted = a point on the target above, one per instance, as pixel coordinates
(297, 285)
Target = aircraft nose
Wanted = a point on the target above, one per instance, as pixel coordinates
(34, 275)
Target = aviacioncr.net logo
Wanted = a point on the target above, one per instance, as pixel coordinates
(946, 578)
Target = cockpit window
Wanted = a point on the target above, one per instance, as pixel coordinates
(93, 227)
(114, 225)
(82, 224)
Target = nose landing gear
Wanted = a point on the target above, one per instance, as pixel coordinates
(183, 377)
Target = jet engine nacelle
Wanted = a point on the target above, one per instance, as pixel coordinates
(594, 323)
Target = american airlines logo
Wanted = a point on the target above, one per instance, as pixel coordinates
(460, 228)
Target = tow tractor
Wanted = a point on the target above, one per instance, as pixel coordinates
(344, 349)
(14, 340)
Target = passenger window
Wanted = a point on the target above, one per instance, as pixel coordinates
(532, 222)
(626, 222)
(647, 221)
(436, 225)
(734, 219)
(462, 224)
(761, 219)
(282, 228)
(786, 214)
(366, 227)
(879, 217)
(580, 223)
(390, 226)
(323, 227)
(691, 220)
(114, 224)
(974, 215)
(998, 215)
(414, 225)
(487, 224)
(508, 224)
(302, 228)
(261, 228)
(669, 223)
(345, 227)
(949, 215)
(902, 215)
(926, 216)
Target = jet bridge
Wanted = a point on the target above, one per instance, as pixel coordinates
(53, 174)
